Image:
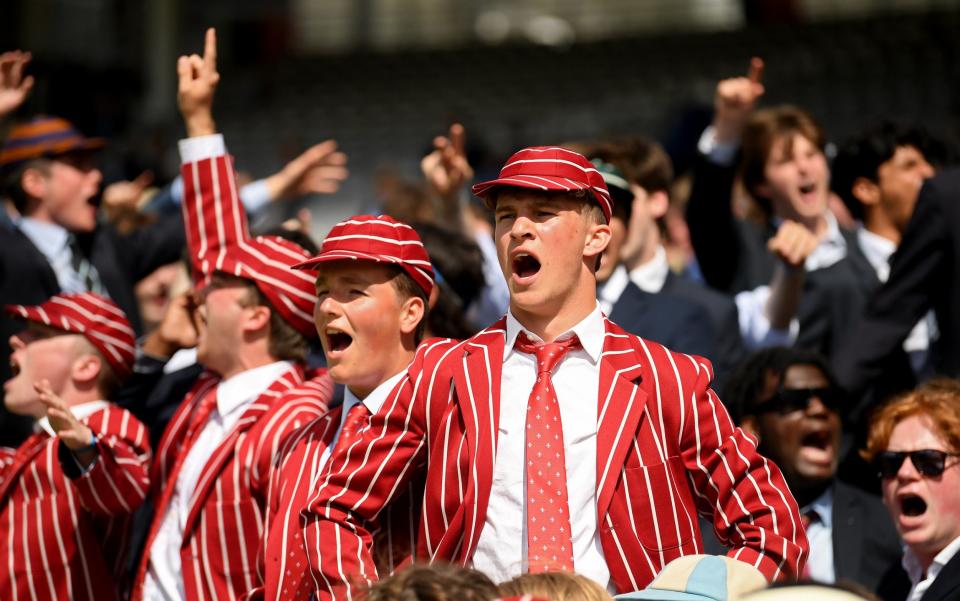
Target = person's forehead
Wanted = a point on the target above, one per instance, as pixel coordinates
(352, 271)
(916, 431)
(804, 375)
(515, 197)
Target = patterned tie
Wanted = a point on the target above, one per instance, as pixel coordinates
(549, 542)
(86, 272)
(356, 418)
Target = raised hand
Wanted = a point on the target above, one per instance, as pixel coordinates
(792, 244)
(74, 433)
(198, 79)
(14, 87)
(446, 168)
(318, 170)
(123, 196)
(735, 100)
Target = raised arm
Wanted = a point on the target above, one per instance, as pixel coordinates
(14, 85)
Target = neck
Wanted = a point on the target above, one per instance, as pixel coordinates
(646, 250)
(361, 388)
(245, 361)
(550, 326)
(807, 493)
(878, 223)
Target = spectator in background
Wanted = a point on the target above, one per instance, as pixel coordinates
(68, 492)
(914, 442)
(555, 586)
(786, 398)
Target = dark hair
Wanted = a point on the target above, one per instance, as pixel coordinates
(459, 262)
(748, 381)
(407, 287)
(434, 582)
(13, 182)
(862, 155)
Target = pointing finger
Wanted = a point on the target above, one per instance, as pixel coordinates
(210, 49)
(458, 138)
(755, 73)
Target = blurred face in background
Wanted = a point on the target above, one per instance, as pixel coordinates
(796, 180)
(155, 291)
(899, 181)
(65, 188)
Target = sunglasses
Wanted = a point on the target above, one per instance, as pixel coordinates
(929, 462)
(798, 399)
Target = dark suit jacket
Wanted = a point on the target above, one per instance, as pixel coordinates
(865, 542)
(946, 587)
(924, 274)
(27, 278)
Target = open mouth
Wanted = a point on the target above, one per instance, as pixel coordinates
(337, 340)
(820, 440)
(912, 505)
(525, 265)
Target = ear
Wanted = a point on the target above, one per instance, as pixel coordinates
(34, 183)
(749, 425)
(598, 237)
(258, 318)
(866, 191)
(658, 203)
(86, 369)
(411, 313)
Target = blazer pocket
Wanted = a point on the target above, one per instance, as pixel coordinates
(659, 510)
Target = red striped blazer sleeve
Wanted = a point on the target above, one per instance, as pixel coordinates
(213, 217)
(751, 507)
(118, 481)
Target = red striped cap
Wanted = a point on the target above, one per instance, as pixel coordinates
(551, 168)
(44, 136)
(266, 261)
(98, 319)
(377, 238)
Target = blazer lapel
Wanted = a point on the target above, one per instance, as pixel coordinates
(477, 383)
(847, 533)
(946, 586)
(619, 409)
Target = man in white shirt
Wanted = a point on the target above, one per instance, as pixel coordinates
(914, 442)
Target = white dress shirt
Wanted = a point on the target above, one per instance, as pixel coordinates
(820, 537)
(52, 241)
(652, 275)
(609, 292)
(164, 580)
(920, 581)
(501, 550)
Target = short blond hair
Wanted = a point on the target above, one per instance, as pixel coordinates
(556, 586)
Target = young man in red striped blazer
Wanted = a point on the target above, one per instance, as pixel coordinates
(211, 472)
(68, 492)
(554, 439)
(373, 282)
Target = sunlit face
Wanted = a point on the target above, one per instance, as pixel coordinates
(899, 180)
(547, 245)
(805, 444)
(797, 179)
(925, 509)
(68, 189)
(224, 305)
(38, 353)
(361, 321)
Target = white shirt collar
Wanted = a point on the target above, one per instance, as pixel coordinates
(877, 250)
(81, 412)
(373, 401)
(239, 390)
(823, 506)
(49, 238)
(591, 332)
(609, 292)
(651, 276)
(912, 564)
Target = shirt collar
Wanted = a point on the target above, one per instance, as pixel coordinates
(49, 238)
(912, 564)
(651, 276)
(609, 292)
(81, 412)
(239, 390)
(373, 401)
(591, 332)
(823, 507)
(876, 249)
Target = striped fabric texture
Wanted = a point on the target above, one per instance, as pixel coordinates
(98, 319)
(551, 168)
(218, 239)
(377, 238)
(666, 452)
(64, 533)
(44, 136)
(225, 525)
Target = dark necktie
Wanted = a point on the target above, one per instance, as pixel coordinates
(85, 270)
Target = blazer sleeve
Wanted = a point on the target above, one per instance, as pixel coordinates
(341, 518)
(713, 227)
(213, 217)
(118, 481)
(745, 495)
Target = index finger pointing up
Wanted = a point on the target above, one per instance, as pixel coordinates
(210, 49)
(755, 74)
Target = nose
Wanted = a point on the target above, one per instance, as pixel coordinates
(816, 406)
(328, 307)
(926, 170)
(908, 471)
(522, 228)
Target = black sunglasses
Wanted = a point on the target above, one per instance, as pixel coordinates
(928, 462)
(798, 399)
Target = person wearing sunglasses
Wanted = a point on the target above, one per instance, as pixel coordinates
(914, 443)
(786, 398)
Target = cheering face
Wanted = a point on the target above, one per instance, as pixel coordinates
(68, 190)
(797, 179)
(542, 243)
(38, 353)
(361, 319)
(220, 321)
(800, 430)
(925, 508)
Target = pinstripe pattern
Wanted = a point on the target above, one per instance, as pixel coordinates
(666, 451)
(225, 524)
(63, 537)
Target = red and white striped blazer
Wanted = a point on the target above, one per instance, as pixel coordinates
(666, 452)
(63, 534)
(224, 527)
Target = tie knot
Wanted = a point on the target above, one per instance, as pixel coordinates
(548, 353)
